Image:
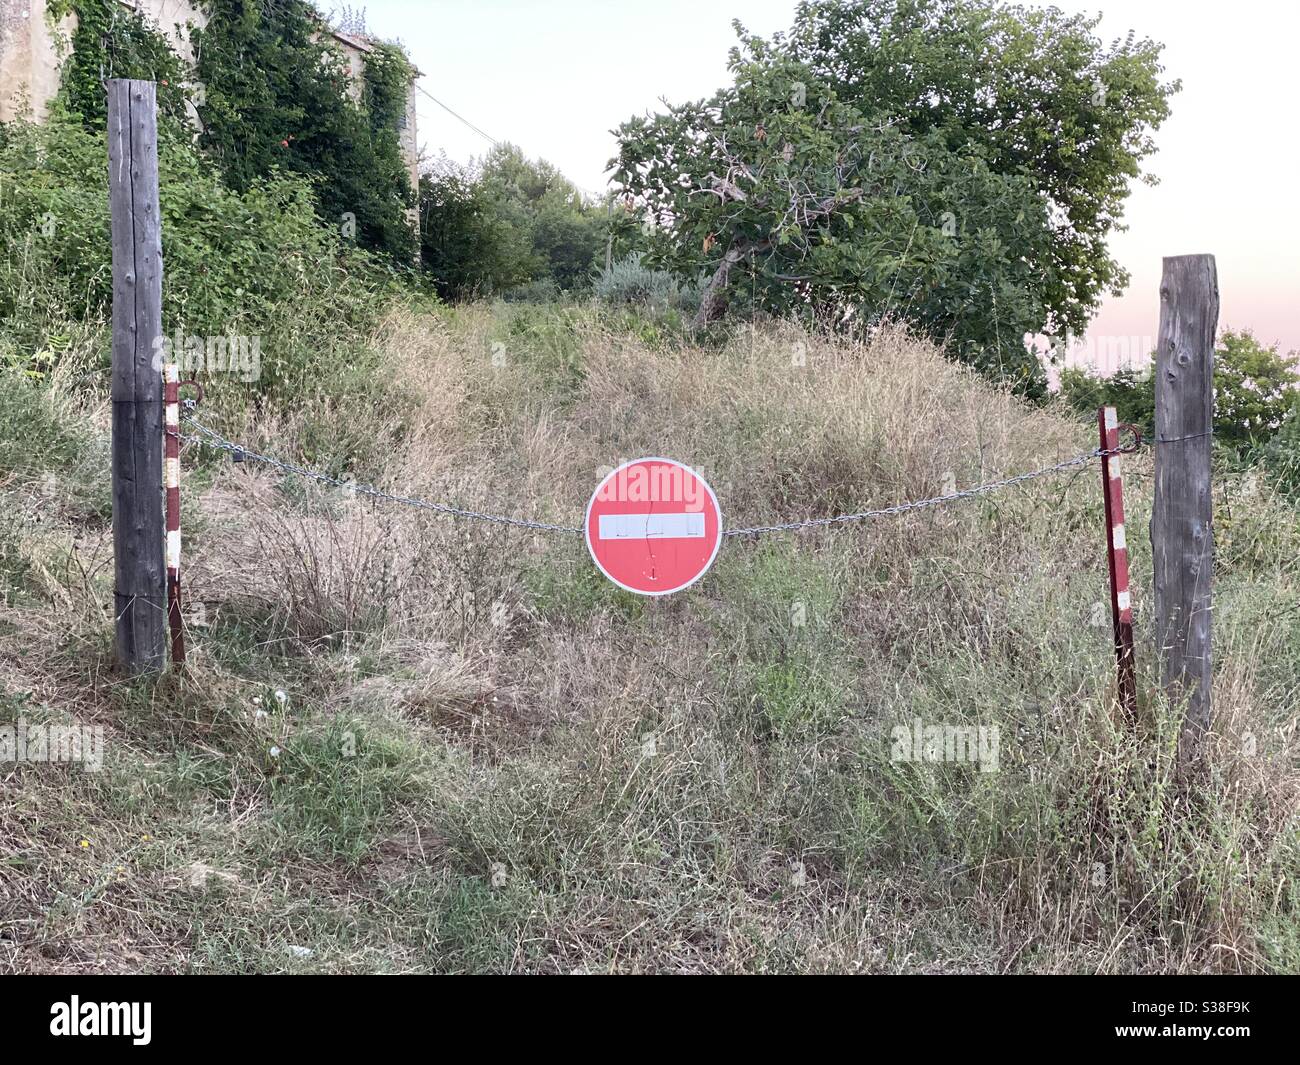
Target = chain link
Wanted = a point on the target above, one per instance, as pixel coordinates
(921, 504)
(214, 439)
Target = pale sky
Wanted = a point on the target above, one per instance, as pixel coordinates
(555, 76)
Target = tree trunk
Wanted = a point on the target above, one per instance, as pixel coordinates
(713, 302)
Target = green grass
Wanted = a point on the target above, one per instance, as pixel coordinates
(489, 759)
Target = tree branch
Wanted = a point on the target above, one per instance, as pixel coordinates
(712, 303)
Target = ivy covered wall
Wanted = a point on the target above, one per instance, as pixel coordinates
(270, 90)
(112, 41)
(278, 97)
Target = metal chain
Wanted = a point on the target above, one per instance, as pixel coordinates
(241, 452)
(214, 439)
(921, 504)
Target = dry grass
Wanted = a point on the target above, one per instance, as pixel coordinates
(489, 759)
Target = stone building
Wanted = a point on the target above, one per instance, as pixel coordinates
(32, 51)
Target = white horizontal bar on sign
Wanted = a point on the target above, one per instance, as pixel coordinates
(653, 526)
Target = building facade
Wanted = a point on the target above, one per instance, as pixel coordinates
(33, 47)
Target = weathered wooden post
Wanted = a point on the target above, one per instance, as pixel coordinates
(140, 603)
(1182, 538)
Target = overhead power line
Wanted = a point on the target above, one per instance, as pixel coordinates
(496, 143)
(459, 117)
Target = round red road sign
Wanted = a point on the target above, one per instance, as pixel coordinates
(653, 526)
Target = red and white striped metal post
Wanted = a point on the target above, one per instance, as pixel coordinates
(172, 469)
(1121, 603)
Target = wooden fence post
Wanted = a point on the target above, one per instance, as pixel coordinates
(140, 597)
(1182, 538)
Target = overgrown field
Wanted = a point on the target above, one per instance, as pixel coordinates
(405, 743)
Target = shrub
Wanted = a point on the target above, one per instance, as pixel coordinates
(234, 263)
(1281, 455)
(1254, 388)
(1129, 390)
(631, 281)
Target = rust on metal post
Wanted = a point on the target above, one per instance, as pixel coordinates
(172, 467)
(1121, 601)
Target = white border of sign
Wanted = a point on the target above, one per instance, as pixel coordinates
(586, 524)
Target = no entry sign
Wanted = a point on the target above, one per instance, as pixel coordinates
(653, 526)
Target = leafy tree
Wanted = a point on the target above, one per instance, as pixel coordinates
(1281, 456)
(1254, 389)
(954, 161)
(466, 244)
(567, 233)
(1131, 391)
(1034, 90)
(503, 222)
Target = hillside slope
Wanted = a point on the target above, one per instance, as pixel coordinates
(409, 743)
